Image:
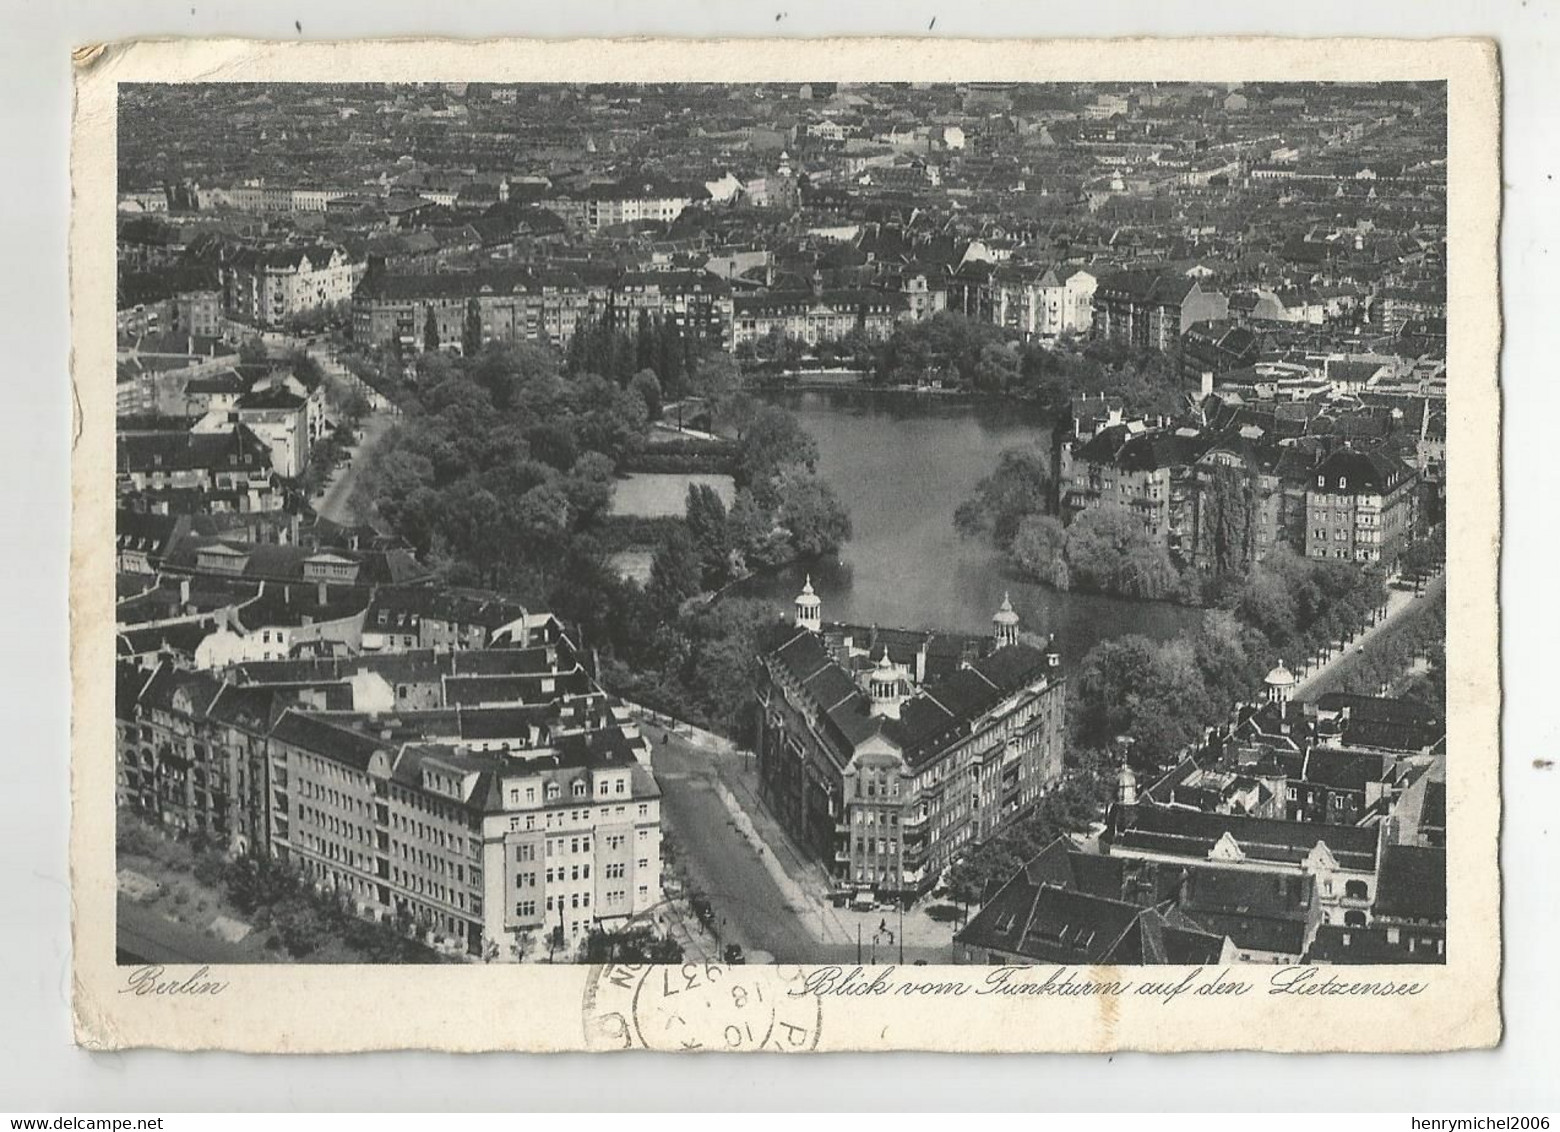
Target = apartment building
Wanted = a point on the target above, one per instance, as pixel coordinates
(265, 287)
(819, 315)
(473, 826)
(1147, 310)
(1361, 506)
(884, 752)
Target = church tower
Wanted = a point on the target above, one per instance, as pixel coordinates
(809, 608)
(1004, 624)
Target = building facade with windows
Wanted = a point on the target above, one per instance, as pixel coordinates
(819, 315)
(1361, 506)
(267, 286)
(885, 752)
(499, 825)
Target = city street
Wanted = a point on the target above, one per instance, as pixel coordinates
(146, 936)
(336, 503)
(772, 895)
(1401, 606)
(726, 866)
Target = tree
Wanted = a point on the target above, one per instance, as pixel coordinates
(674, 572)
(1109, 551)
(303, 366)
(471, 332)
(773, 441)
(637, 944)
(521, 945)
(716, 376)
(1227, 506)
(645, 385)
(1425, 556)
(812, 516)
(753, 534)
(711, 533)
(1039, 550)
(431, 332)
(252, 352)
(1110, 678)
(1019, 486)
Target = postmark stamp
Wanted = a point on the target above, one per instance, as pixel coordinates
(700, 1006)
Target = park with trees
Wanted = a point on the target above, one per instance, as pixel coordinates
(501, 471)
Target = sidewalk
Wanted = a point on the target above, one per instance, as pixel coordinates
(1398, 602)
(801, 879)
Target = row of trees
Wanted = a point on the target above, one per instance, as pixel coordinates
(1161, 695)
(619, 345)
(1396, 655)
(960, 351)
(302, 921)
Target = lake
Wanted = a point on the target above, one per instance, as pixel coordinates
(902, 463)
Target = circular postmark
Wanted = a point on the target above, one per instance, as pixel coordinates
(700, 1006)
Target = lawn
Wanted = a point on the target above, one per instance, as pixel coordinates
(655, 495)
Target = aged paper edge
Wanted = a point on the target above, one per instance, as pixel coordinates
(320, 1009)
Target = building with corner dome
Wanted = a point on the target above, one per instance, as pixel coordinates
(885, 751)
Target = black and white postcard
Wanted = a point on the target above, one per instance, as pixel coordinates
(834, 545)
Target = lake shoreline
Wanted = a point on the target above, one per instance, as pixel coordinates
(902, 460)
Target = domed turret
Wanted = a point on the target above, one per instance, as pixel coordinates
(1126, 786)
(1280, 683)
(809, 608)
(1004, 623)
(883, 686)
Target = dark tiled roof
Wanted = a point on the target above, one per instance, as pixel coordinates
(1337, 944)
(1034, 917)
(191, 451)
(1412, 883)
(1190, 833)
(312, 734)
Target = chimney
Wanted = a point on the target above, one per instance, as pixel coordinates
(324, 591)
(184, 593)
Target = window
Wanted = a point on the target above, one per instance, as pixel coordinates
(530, 793)
(525, 909)
(579, 789)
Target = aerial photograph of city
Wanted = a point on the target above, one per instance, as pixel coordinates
(802, 523)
